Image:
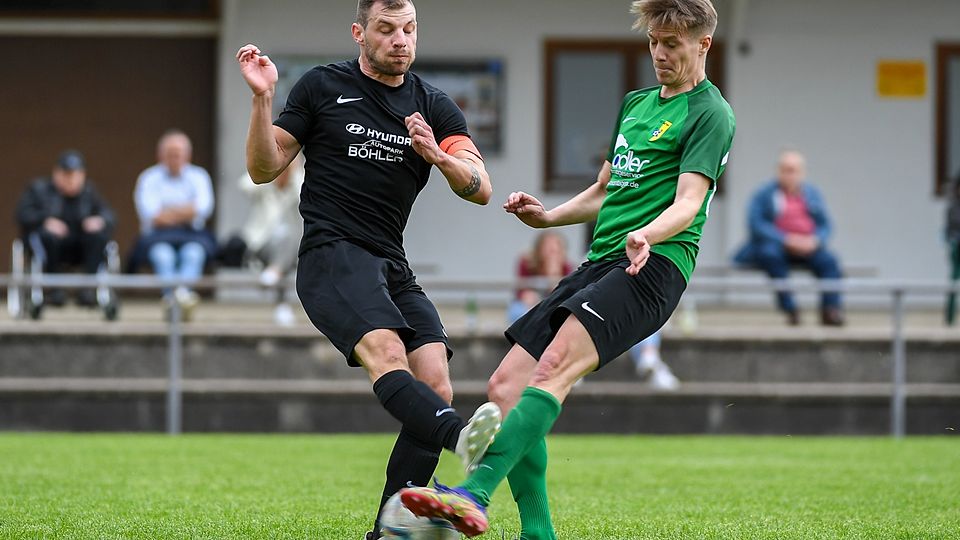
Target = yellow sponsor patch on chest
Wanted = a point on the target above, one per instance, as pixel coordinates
(657, 133)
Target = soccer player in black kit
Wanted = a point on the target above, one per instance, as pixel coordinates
(370, 132)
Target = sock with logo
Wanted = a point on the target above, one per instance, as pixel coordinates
(528, 483)
(529, 422)
(413, 460)
(421, 411)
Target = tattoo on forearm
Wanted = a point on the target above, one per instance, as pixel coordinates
(474, 186)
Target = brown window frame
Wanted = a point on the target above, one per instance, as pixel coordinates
(943, 177)
(210, 12)
(632, 51)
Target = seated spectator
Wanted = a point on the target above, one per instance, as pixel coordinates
(547, 263)
(953, 244)
(174, 199)
(648, 363)
(66, 222)
(271, 235)
(789, 225)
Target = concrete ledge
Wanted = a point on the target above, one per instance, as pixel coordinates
(290, 357)
(328, 407)
(472, 389)
(767, 334)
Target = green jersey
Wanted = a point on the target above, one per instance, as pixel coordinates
(655, 140)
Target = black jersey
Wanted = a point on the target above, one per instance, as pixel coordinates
(362, 174)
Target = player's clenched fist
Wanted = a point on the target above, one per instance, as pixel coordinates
(257, 69)
(527, 208)
(423, 140)
(638, 251)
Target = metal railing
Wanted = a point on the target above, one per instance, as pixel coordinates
(18, 281)
(897, 290)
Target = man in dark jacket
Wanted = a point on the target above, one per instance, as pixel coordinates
(789, 226)
(66, 222)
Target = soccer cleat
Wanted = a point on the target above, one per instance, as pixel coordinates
(478, 435)
(455, 505)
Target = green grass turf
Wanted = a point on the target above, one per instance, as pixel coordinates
(624, 487)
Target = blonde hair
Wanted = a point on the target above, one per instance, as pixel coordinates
(534, 260)
(697, 18)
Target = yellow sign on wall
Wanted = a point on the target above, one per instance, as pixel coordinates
(901, 78)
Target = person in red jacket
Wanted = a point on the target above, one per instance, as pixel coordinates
(538, 272)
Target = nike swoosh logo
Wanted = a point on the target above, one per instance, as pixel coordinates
(481, 466)
(589, 309)
(341, 100)
(444, 411)
(629, 119)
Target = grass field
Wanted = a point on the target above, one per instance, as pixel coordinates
(602, 487)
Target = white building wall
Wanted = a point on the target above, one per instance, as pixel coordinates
(808, 81)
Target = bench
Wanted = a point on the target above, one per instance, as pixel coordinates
(725, 270)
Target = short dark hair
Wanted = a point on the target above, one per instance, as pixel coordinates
(363, 8)
(693, 17)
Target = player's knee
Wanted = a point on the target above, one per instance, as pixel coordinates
(503, 389)
(497, 389)
(384, 357)
(442, 388)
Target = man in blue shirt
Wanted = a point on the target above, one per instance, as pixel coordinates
(174, 199)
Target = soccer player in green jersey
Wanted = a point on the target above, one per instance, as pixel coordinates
(650, 200)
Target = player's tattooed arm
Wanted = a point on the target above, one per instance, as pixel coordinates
(474, 186)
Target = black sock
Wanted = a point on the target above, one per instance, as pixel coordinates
(419, 408)
(413, 460)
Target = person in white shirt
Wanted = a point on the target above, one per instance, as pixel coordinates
(271, 234)
(174, 199)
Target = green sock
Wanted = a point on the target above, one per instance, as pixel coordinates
(526, 424)
(528, 482)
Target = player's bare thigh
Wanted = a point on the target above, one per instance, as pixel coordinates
(570, 356)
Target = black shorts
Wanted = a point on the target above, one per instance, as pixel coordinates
(347, 292)
(617, 309)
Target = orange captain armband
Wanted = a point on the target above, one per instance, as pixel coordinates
(454, 143)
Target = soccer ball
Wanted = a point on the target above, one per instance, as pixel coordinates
(398, 522)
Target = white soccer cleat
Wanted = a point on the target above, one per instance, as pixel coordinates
(478, 435)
